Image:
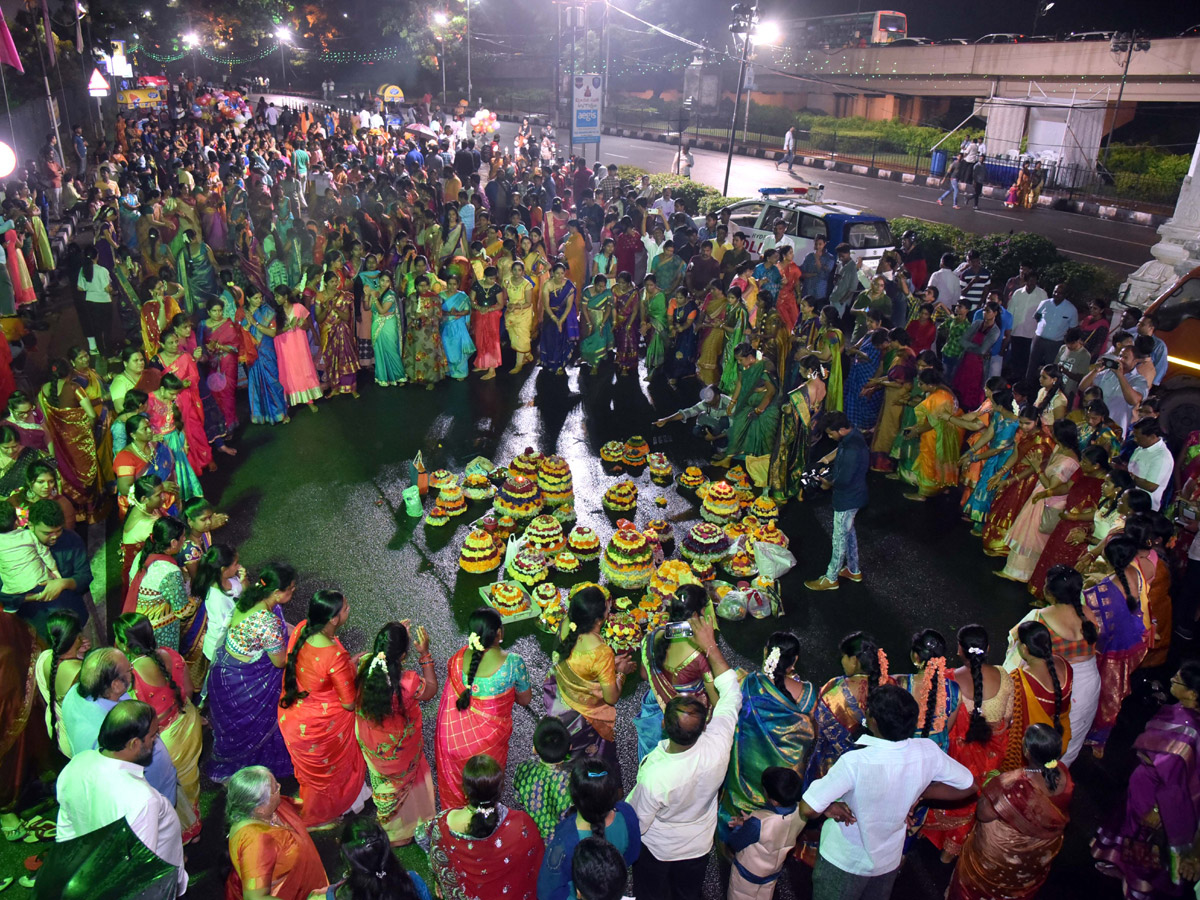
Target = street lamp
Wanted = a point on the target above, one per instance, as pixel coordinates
(467, 3)
(284, 35)
(442, 20)
(191, 40)
(744, 16)
(1040, 9)
(1127, 43)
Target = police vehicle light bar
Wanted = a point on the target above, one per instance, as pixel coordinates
(809, 191)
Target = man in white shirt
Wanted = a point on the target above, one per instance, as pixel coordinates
(949, 288)
(779, 239)
(676, 793)
(1022, 306)
(1054, 316)
(1122, 385)
(868, 795)
(272, 116)
(1151, 464)
(665, 204)
(97, 787)
(653, 243)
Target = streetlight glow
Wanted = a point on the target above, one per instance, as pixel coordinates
(767, 33)
(191, 39)
(441, 18)
(283, 34)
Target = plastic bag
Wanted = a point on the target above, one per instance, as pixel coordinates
(480, 465)
(732, 606)
(772, 560)
(758, 603)
(412, 500)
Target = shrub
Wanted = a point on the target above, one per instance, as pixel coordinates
(933, 238)
(1084, 281)
(1002, 254)
(687, 189)
(717, 203)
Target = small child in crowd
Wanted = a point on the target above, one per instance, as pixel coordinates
(762, 840)
(542, 784)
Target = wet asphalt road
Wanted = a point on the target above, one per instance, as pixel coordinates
(324, 493)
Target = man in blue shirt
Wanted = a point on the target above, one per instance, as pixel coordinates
(414, 159)
(1145, 326)
(1053, 316)
(79, 145)
(1005, 321)
(817, 268)
(104, 681)
(848, 481)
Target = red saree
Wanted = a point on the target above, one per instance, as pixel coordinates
(70, 429)
(24, 743)
(199, 453)
(1083, 494)
(1015, 490)
(1010, 856)
(504, 864)
(319, 732)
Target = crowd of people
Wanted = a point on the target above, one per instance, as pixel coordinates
(305, 252)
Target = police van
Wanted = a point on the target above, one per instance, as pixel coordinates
(807, 217)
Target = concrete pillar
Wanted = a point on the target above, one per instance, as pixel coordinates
(1179, 250)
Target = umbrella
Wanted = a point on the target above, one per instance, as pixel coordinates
(422, 131)
(109, 863)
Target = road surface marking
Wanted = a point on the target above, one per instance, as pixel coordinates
(999, 215)
(1101, 258)
(920, 200)
(1105, 238)
(852, 187)
(617, 155)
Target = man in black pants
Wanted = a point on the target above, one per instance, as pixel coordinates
(979, 174)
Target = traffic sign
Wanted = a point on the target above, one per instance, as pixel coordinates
(97, 86)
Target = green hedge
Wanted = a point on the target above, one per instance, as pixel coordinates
(1003, 254)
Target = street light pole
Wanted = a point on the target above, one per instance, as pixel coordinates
(469, 94)
(1128, 43)
(443, 68)
(1040, 9)
(743, 23)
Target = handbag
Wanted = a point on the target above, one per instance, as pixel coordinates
(1050, 518)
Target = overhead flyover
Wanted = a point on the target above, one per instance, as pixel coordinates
(1168, 72)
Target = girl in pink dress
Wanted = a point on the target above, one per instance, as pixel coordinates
(297, 373)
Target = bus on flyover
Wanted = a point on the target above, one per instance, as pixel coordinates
(849, 30)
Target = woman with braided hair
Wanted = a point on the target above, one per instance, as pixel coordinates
(1073, 636)
(475, 714)
(978, 737)
(936, 695)
(316, 714)
(1019, 825)
(57, 669)
(372, 870)
(841, 709)
(584, 683)
(159, 590)
(161, 679)
(1041, 691)
(388, 727)
(246, 678)
(481, 849)
(672, 664)
(597, 810)
(775, 726)
(1120, 607)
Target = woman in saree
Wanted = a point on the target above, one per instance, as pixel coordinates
(775, 726)
(334, 307)
(127, 274)
(70, 422)
(386, 340)
(737, 323)
(978, 737)
(596, 303)
(574, 257)
(936, 694)
(655, 324)
(626, 318)
(246, 679)
(297, 373)
(456, 332)
(1078, 511)
(1026, 539)
(249, 256)
(479, 848)
(521, 299)
(25, 747)
(1119, 606)
(260, 320)
(1151, 842)
(145, 454)
(18, 268)
(555, 226)
(197, 268)
(146, 498)
(157, 261)
(166, 421)
(220, 337)
(41, 483)
(475, 714)
(753, 410)
(972, 368)
(605, 262)
(585, 679)
(681, 355)
(897, 384)
(161, 679)
(28, 421)
(156, 315)
(181, 364)
(387, 724)
(316, 713)
(1015, 481)
(212, 219)
(1096, 428)
(88, 380)
(1042, 687)
(841, 709)
(366, 287)
(711, 328)
(1095, 326)
(798, 411)
(672, 665)
(135, 375)
(791, 278)
(1019, 824)
(424, 356)
(939, 440)
(862, 406)
(158, 589)
(454, 238)
(829, 346)
(977, 426)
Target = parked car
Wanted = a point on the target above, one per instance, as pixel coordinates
(955, 41)
(1089, 36)
(1000, 39)
(1194, 31)
(911, 42)
(1037, 39)
(808, 216)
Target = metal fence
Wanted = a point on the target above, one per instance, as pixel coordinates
(1069, 182)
